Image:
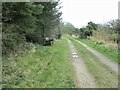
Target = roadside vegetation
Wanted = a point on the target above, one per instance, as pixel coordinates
(104, 77)
(105, 33)
(24, 27)
(46, 66)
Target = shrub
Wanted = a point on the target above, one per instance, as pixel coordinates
(100, 42)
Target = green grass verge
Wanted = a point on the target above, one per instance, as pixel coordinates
(110, 52)
(48, 67)
(104, 77)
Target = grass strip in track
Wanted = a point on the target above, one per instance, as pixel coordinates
(110, 52)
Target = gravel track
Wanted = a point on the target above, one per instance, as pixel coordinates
(82, 77)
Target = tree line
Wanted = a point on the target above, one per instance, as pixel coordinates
(107, 32)
(28, 22)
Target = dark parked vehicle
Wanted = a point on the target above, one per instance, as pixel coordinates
(48, 41)
(52, 40)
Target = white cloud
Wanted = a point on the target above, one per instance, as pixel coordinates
(80, 12)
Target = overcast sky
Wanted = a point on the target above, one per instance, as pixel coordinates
(80, 12)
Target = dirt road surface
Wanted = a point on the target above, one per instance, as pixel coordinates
(82, 77)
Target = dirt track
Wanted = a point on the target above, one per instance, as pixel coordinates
(82, 77)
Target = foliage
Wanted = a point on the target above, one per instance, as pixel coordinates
(86, 31)
(100, 42)
(49, 18)
(108, 32)
(96, 32)
(27, 22)
(76, 31)
(67, 28)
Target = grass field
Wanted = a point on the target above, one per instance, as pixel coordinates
(104, 77)
(47, 67)
(110, 52)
